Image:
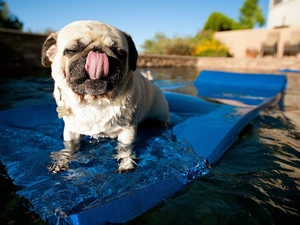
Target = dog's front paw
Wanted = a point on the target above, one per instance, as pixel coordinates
(125, 170)
(60, 160)
(126, 165)
(126, 158)
(59, 163)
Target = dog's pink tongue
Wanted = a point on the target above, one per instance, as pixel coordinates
(97, 65)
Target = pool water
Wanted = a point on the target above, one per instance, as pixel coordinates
(257, 181)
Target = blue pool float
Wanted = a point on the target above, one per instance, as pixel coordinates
(202, 128)
(288, 70)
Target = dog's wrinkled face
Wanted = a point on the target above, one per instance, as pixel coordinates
(93, 57)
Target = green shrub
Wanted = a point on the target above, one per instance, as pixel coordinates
(163, 45)
(203, 44)
(207, 45)
(180, 46)
(219, 22)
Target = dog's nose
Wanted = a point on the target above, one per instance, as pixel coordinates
(98, 50)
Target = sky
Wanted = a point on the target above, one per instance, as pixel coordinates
(141, 19)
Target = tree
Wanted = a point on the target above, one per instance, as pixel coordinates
(7, 20)
(219, 22)
(251, 14)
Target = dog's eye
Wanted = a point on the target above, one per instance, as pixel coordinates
(121, 53)
(73, 49)
(70, 52)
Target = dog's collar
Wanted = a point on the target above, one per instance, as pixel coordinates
(61, 109)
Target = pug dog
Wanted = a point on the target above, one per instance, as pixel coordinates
(97, 89)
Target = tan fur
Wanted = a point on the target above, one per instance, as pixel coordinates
(115, 114)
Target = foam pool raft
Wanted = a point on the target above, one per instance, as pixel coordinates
(202, 128)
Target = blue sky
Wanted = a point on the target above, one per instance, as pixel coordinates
(141, 19)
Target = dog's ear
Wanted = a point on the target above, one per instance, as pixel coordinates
(133, 54)
(49, 49)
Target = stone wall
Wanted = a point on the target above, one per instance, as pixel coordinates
(166, 61)
(267, 64)
(20, 50)
(23, 51)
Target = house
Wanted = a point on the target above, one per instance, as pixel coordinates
(283, 13)
(283, 22)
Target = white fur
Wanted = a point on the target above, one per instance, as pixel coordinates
(100, 116)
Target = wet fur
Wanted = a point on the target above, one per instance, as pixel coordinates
(111, 106)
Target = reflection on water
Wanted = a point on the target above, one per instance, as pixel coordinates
(256, 182)
(22, 88)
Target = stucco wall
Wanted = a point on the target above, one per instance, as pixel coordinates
(239, 41)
